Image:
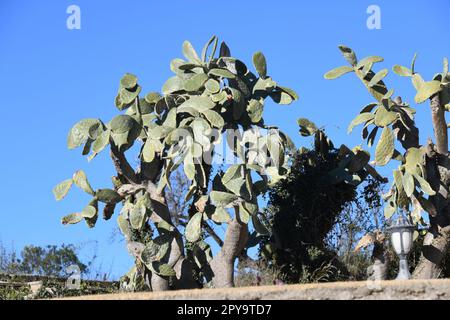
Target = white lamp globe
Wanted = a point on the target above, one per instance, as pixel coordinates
(407, 240)
(396, 241)
(402, 241)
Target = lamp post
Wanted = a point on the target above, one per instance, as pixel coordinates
(401, 231)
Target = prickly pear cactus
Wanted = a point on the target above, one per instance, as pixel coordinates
(413, 188)
(353, 166)
(211, 97)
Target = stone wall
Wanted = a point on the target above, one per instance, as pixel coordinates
(403, 290)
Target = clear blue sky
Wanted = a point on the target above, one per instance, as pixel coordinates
(51, 77)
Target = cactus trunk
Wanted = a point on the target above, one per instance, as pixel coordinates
(437, 241)
(223, 264)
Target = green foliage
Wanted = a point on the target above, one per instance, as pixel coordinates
(61, 190)
(307, 128)
(339, 71)
(385, 147)
(80, 180)
(84, 132)
(90, 212)
(193, 228)
(426, 90)
(259, 61)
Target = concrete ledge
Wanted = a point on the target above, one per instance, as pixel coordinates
(364, 290)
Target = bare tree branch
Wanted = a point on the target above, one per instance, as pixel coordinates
(213, 234)
(122, 165)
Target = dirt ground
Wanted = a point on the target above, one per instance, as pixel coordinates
(363, 290)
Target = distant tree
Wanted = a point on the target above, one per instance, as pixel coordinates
(9, 260)
(359, 226)
(43, 261)
(50, 260)
(175, 197)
